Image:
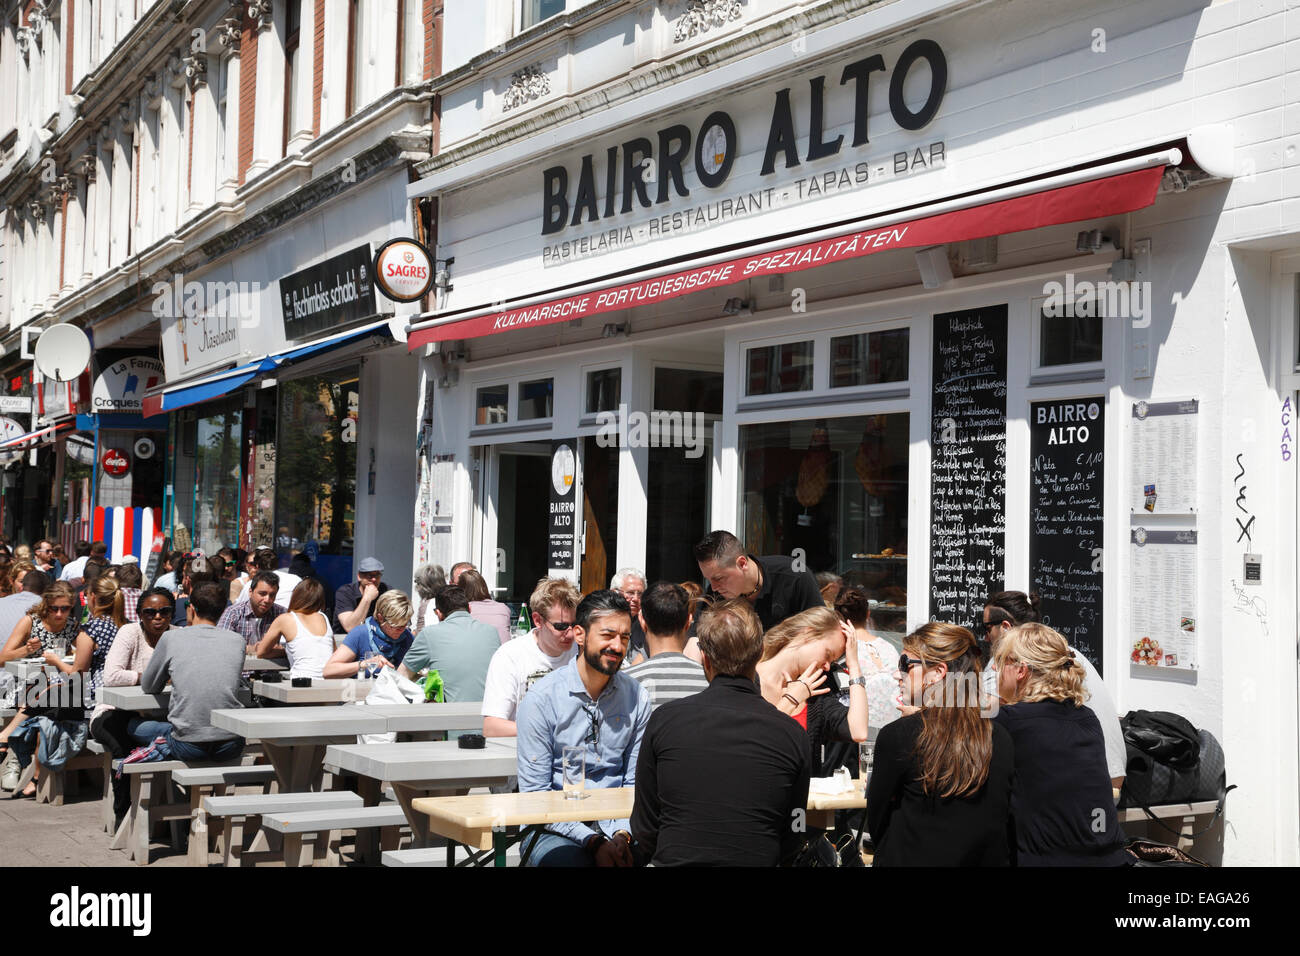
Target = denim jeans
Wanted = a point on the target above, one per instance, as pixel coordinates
(145, 730)
(215, 750)
(551, 849)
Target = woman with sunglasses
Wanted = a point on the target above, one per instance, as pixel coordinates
(1008, 609)
(1061, 782)
(940, 789)
(126, 661)
(48, 739)
(379, 641)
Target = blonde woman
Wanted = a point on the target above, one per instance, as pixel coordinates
(379, 641)
(807, 644)
(1061, 804)
(940, 789)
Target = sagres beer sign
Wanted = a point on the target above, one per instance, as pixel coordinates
(403, 270)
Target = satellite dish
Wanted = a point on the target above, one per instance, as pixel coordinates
(62, 352)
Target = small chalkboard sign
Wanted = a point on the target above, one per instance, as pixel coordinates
(160, 547)
(1067, 476)
(968, 461)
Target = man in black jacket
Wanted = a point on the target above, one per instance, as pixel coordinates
(771, 584)
(722, 776)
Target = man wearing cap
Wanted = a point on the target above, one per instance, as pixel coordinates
(353, 601)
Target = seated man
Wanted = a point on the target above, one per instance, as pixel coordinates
(587, 703)
(722, 774)
(354, 601)
(251, 619)
(204, 663)
(668, 674)
(518, 664)
(459, 648)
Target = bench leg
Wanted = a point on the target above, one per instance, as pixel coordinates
(106, 772)
(144, 787)
(293, 850)
(49, 787)
(1185, 838)
(196, 852)
(418, 821)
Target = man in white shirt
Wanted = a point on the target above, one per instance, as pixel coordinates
(523, 661)
(74, 571)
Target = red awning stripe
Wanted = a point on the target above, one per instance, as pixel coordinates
(1111, 196)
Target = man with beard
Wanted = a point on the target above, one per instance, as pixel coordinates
(587, 703)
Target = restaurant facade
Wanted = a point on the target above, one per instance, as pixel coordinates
(939, 297)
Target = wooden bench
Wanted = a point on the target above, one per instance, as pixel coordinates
(310, 835)
(52, 785)
(1166, 811)
(244, 812)
(153, 801)
(215, 781)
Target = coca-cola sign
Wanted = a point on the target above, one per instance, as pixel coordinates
(403, 270)
(116, 462)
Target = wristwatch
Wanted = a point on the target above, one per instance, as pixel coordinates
(860, 681)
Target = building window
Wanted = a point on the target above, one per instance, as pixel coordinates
(411, 65)
(688, 390)
(316, 466)
(836, 492)
(535, 11)
(869, 358)
(217, 449)
(221, 74)
(536, 399)
(292, 70)
(491, 404)
(604, 390)
(358, 43)
(1069, 335)
(774, 369)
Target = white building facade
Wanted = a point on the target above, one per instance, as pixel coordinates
(941, 297)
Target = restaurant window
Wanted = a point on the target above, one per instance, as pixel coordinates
(604, 390)
(869, 358)
(1069, 334)
(536, 399)
(316, 470)
(535, 11)
(688, 390)
(775, 369)
(490, 405)
(834, 493)
(215, 441)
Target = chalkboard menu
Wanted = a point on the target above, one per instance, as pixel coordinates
(1067, 442)
(968, 460)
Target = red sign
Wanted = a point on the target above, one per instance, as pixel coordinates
(403, 270)
(115, 462)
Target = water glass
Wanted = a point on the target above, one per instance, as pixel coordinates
(575, 772)
(59, 647)
(866, 755)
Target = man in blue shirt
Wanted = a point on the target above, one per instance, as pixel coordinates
(587, 703)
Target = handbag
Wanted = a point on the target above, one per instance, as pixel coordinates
(1168, 738)
(1165, 767)
(1151, 853)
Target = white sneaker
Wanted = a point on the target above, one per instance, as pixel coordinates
(10, 772)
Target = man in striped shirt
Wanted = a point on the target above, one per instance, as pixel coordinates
(668, 673)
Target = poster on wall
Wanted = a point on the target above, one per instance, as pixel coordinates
(1162, 601)
(968, 458)
(1067, 477)
(562, 518)
(1162, 439)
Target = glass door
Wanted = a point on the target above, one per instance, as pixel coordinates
(523, 478)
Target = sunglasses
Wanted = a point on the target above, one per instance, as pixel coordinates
(560, 626)
(987, 626)
(158, 612)
(61, 609)
(905, 663)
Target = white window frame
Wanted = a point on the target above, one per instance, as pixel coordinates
(518, 15)
(588, 417)
(1072, 370)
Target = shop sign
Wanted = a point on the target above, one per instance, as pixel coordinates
(328, 295)
(115, 462)
(81, 448)
(403, 270)
(9, 429)
(647, 173)
(121, 386)
(15, 404)
(562, 519)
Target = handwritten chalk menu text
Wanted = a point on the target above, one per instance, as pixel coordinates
(968, 461)
(1067, 442)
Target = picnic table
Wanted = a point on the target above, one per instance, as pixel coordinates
(421, 769)
(480, 821)
(28, 667)
(252, 663)
(294, 738)
(322, 691)
(134, 698)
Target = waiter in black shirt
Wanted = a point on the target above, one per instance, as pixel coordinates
(770, 584)
(722, 775)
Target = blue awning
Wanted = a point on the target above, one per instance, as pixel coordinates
(170, 397)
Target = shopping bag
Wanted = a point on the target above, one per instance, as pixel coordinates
(389, 688)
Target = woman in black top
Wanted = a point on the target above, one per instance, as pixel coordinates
(940, 788)
(1062, 806)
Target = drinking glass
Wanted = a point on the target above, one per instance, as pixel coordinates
(59, 647)
(575, 772)
(866, 755)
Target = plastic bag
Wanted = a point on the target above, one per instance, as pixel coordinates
(390, 688)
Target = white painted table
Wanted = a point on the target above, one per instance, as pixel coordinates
(28, 667)
(134, 698)
(424, 769)
(265, 663)
(321, 691)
